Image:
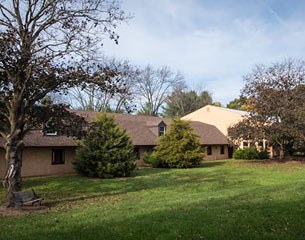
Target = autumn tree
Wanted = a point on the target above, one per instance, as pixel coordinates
(40, 44)
(153, 88)
(276, 109)
(182, 102)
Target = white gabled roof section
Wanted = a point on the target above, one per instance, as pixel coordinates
(243, 113)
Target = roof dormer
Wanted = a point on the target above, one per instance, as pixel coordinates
(161, 128)
(50, 130)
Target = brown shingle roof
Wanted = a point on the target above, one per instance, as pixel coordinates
(209, 134)
(143, 130)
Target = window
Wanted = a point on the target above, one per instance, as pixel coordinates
(245, 144)
(51, 133)
(209, 150)
(260, 145)
(58, 156)
(222, 149)
(162, 129)
(50, 130)
(149, 150)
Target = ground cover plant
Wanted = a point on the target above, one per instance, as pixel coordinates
(219, 200)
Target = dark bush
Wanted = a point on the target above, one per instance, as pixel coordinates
(249, 153)
(238, 154)
(151, 159)
(263, 154)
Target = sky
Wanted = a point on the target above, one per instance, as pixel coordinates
(213, 43)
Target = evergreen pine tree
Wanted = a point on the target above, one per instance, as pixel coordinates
(179, 147)
(105, 151)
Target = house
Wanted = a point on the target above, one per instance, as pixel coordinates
(223, 118)
(220, 117)
(51, 154)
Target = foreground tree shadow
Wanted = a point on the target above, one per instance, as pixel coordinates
(223, 218)
(70, 189)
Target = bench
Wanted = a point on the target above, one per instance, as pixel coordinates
(26, 197)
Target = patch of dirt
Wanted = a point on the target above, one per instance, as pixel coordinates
(21, 211)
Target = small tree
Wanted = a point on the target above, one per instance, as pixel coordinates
(179, 147)
(105, 151)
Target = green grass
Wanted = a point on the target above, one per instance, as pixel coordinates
(219, 200)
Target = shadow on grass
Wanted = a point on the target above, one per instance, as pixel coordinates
(227, 217)
(67, 189)
(212, 163)
(61, 190)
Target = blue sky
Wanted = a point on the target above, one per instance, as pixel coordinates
(213, 43)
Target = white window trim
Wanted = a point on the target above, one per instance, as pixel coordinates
(51, 133)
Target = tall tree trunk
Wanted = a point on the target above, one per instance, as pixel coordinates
(282, 152)
(12, 178)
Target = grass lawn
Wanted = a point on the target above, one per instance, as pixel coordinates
(220, 200)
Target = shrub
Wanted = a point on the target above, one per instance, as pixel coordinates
(246, 153)
(151, 159)
(105, 151)
(263, 154)
(250, 153)
(238, 154)
(178, 148)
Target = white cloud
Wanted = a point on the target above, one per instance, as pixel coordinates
(214, 46)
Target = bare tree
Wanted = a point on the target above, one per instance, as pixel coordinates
(40, 43)
(276, 101)
(154, 87)
(89, 98)
(97, 98)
